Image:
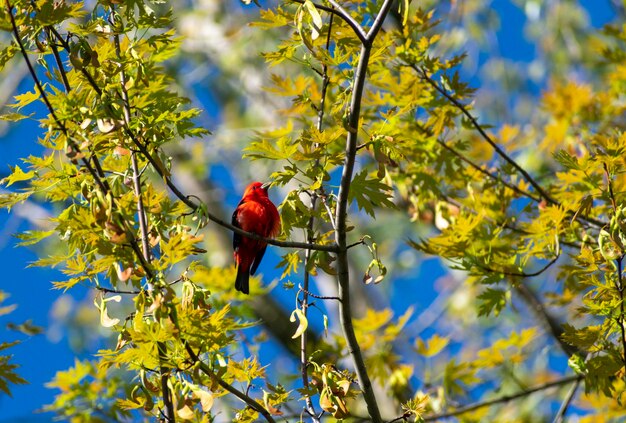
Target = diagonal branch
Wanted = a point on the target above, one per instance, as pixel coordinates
(521, 274)
(378, 21)
(356, 27)
(560, 415)
(485, 172)
(424, 75)
(227, 387)
(503, 399)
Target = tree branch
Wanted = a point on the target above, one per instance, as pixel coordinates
(343, 270)
(549, 323)
(101, 183)
(503, 399)
(424, 76)
(57, 58)
(164, 372)
(186, 198)
(521, 274)
(378, 21)
(227, 387)
(487, 173)
(560, 415)
(339, 11)
(343, 14)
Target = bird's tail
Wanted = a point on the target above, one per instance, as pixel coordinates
(242, 283)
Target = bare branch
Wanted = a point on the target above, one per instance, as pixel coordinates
(341, 214)
(319, 297)
(227, 387)
(378, 22)
(560, 415)
(503, 399)
(549, 323)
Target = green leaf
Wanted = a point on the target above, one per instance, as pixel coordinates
(264, 149)
(567, 160)
(7, 54)
(316, 26)
(369, 193)
(492, 301)
(583, 338)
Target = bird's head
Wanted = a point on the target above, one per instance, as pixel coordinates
(256, 190)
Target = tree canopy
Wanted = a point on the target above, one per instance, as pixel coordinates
(383, 157)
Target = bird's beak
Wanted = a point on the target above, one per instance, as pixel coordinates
(266, 185)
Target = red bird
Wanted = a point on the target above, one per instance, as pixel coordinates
(255, 213)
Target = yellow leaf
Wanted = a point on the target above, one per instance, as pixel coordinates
(185, 413)
(303, 322)
(205, 397)
(433, 346)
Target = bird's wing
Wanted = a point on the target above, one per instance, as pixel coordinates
(235, 222)
(257, 260)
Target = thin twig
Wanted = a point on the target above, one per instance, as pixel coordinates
(560, 415)
(329, 211)
(354, 244)
(424, 75)
(57, 58)
(143, 224)
(164, 371)
(521, 274)
(620, 320)
(504, 398)
(227, 387)
(310, 234)
(487, 173)
(116, 291)
(319, 297)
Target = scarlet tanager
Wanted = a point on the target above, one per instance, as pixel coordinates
(257, 214)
